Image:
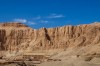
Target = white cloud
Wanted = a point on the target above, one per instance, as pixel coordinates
(24, 21)
(31, 23)
(44, 21)
(20, 20)
(56, 16)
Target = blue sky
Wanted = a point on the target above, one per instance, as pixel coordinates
(50, 13)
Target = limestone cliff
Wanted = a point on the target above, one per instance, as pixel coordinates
(13, 34)
(17, 36)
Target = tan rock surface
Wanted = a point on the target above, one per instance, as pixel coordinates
(74, 45)
(19, 37)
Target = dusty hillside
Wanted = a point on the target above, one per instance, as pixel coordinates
(17, 37)
(67, 45)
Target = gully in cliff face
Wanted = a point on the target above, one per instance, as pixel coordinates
(2, 39)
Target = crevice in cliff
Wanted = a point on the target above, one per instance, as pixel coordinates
(46, 34)
(2, 39)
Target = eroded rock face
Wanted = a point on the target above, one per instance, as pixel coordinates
(17, 36)
(13, 34)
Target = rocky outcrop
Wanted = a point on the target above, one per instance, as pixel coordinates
(13, 34)
(17, 36)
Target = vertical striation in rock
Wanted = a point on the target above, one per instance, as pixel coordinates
(17, 36)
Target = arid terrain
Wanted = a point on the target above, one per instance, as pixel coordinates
(61, 46)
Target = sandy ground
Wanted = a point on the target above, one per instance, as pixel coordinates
(73, 62)
(65, 61)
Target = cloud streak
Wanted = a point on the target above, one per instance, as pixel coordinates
(25, 21)
(32, 23)
(39, 19)
(20, 20)
(56, 16)
(44, 21)
(51, 16)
